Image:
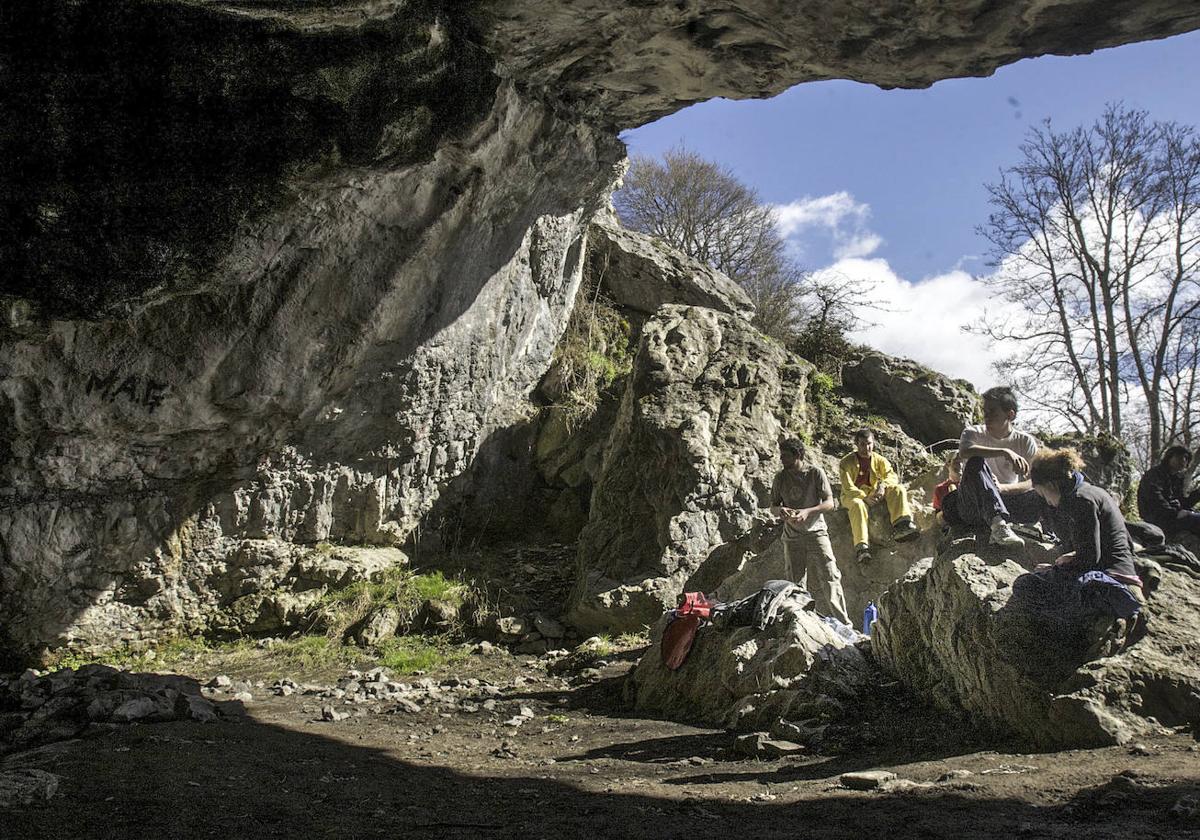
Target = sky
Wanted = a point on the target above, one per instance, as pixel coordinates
(888, 186)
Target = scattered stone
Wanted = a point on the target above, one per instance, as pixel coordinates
(25, 786)
(1186, 807)
(1140, 749)
(136, 709)
(548, 627)
(243, 697)
(331, 714)
(866, 779)
(750, 745)
(220, 681)
(779, 749)
(952, 775)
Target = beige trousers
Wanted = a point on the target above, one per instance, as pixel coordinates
(811, 555)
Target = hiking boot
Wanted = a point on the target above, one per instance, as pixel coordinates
(1002, 535)
(905, 530)
(862, 553)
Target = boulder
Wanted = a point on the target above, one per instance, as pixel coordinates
(689, 462)
(641, 273)
(930, 406)
(1107, 462)
(750, 562)
(953, 631)
(748, 679)
(26, 786)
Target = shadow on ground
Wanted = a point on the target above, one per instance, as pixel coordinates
(254, 780)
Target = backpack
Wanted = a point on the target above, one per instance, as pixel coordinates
(677, 640)
(695, 603)
(694, 609)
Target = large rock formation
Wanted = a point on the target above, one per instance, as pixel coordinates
(278, 272)
(745, 678)
(954, 631)
(930, 406)
(688, 464)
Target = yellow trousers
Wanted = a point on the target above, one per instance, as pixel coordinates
(896, 498)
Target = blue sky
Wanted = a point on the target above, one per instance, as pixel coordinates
(889, 184)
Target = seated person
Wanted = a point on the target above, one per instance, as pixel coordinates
(994, 490)
(867, 479)
(1161, 500)
(1086, 518)
(945, 488)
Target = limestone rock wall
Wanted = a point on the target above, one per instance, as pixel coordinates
(363, 344)
(274, 274)
(688, 464)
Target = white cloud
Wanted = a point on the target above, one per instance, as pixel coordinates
(923, 320)
(838, 215)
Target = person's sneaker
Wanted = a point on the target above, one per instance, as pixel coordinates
(904, 530)
(862, 553)
(1002, 535)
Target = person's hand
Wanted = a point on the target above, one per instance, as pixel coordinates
(875, 497)
(1018, 463)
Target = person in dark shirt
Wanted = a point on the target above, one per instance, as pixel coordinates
(1085, 517)
(1161, 500)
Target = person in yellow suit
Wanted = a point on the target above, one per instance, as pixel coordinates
(867, 479)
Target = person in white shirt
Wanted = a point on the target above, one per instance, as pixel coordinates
(995, 489)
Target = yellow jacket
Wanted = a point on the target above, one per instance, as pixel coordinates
(881, 475)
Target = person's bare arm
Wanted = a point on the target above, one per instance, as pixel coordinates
(1018, 462)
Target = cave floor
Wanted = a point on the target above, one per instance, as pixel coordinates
(581, 764)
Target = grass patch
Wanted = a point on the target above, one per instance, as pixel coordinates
(400, 588)
(593, 354)
(407, 654)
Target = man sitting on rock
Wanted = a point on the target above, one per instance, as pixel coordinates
(867, 479)
(1160, 497)
(995, 490)
(800, 495)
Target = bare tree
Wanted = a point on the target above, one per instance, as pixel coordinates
(1096, 244)
(701, 208)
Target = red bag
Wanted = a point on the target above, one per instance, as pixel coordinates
(695, 603)
(677, 640)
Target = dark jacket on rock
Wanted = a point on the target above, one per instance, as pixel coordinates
(1160, 496)
(1089, 523)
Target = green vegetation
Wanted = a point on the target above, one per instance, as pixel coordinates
(593, 354)
(338, 612)
(407, 654)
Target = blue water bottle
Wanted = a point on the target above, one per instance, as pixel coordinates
(869, 615)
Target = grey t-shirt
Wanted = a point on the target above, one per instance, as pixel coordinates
(1023, 443)
(810, 487)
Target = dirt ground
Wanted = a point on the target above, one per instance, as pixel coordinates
(579, 765)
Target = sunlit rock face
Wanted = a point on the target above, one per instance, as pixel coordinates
(273, 273)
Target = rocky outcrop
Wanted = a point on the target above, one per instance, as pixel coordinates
(288, 277)
(641, 273)
(748, 679)
(930, 406)
(1107, 462)
(38, 710)
(338, 417)
(688, 464)
(630, 63)
(958, 630)
(742, 567)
